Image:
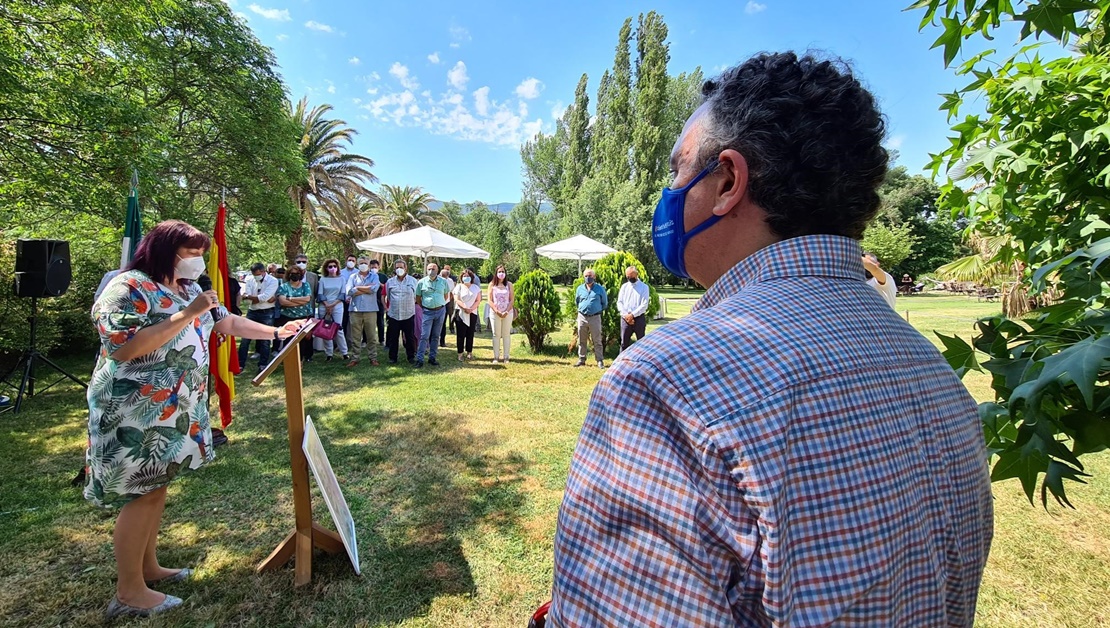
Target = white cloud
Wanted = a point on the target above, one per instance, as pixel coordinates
(281, 15)
(459, 35)
(434, 57)
(401, 73)
(557, 110)
(754, 7)
(372, 91)
(354, 61)
(331, 87)
(282, 37)
(529, 88)
(481, 101)
(457, 76)
(486, 120)
(375, 76)
(895, 142)
(313, 25)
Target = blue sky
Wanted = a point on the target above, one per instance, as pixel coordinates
(444, 93)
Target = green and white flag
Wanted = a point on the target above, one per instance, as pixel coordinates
(133, 227)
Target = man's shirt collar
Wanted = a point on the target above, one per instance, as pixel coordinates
(804, 256)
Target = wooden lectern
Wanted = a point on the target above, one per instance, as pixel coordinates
(306, 534)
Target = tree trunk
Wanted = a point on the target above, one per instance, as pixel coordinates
(293, 244)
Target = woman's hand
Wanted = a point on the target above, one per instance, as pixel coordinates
(290, 329)
(202, 303)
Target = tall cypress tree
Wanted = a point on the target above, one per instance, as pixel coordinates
(616, 134)
(600, 128)
(577, 163)
(650, 101)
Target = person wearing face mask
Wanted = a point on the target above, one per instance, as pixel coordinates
(350, 268)
(148, 401)
(467, 297)
(501, 314)
(590, 298)
(330, 297)
(445, 274)
(310, 277)
(764, 461)
(400, 305)
(362, 290)
(432, 293)
(632, 303)
(261, 293)
(379, 298)
(295, 302)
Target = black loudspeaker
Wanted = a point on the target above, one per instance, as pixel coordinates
(42, 268)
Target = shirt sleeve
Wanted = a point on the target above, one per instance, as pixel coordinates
(268, 289)
(120, 312)
(638, 526)
(604, 297)
(645, 302)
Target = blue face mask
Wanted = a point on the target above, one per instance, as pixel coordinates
(668, 226)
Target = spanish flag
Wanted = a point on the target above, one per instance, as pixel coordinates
(224, 360)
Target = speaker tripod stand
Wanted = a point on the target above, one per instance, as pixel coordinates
(27, 364)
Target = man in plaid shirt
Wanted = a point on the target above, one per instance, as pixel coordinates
(792, 453)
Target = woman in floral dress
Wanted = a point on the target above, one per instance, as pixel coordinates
(148, 400)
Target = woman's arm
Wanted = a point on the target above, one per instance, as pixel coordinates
(149, 339)
(241, 327)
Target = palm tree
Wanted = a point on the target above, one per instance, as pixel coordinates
(346, 219)
(400, 208)
(330, 171)
(986, 267)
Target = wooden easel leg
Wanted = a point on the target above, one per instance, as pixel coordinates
(281, 554)
(326, 540)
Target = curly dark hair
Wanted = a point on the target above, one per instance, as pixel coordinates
(812, 137)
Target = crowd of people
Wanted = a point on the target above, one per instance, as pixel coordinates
(372, 311)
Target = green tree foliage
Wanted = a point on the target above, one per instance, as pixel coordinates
(399, 208)
(606, 186)
(577, 162)
(1038, 160)
(912, 201)
(331, 173)
(650, 148)
(529, 228)
(537, 307)
(181, 91)
(614, 135)
(610, 274)
(890, 244)
(544, 159)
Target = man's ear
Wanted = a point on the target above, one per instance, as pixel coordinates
(732, 186)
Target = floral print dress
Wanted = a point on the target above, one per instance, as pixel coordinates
(148, 417)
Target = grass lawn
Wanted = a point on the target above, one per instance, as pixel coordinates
(454, 476)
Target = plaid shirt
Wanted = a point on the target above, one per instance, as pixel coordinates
(792, 453)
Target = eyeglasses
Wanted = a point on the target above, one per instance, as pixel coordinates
(332, 267)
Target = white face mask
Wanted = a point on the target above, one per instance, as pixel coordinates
(466, 279)
(302, 265)
(400, 272)
(189, 267)
(363, 268)
(350, 264)
(500, 275)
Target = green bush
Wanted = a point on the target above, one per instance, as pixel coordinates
(610, 274)
(537, 307)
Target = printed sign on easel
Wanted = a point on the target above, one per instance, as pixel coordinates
(330, 489)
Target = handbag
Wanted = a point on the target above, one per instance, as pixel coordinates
(326, 329)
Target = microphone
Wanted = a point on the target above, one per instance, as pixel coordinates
(205, 283)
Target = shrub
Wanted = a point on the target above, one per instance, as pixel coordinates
(610, 274)
(537, 307)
